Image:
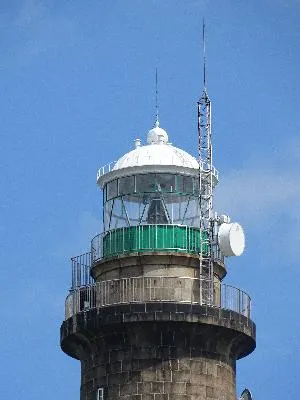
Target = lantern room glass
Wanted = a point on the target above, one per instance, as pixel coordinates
(147, 199)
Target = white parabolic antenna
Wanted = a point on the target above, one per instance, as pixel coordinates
(231, 239)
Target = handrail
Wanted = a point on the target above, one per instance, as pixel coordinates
(155, 289)
(105, 169)
(81, 270)
(184, 239)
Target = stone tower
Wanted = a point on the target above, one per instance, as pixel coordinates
(148, 315)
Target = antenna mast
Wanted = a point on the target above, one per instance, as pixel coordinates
(156, 99)
(205, 191)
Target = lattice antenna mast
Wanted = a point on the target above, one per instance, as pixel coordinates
(205, 190)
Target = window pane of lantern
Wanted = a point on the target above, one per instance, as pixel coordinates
(165, 182)
(185, 184)
(196, 186)
(112, 189)
(145, 183)
(107, 214)
(126, 185)
(118, 215)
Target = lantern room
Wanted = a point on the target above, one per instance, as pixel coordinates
(151, 199)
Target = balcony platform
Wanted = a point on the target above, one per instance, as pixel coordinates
(203, 323)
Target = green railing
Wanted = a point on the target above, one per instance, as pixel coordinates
(148, 238)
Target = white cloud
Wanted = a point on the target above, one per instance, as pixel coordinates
(255, 193)
(266, 187)
(264, 198)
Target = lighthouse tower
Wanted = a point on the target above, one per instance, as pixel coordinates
(148, 314)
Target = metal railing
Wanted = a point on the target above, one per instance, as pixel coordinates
(154, 289)
(110, 166)
(143, 238)
(81, 267)
(105, 169)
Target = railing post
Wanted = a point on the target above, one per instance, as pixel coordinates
(133, 294)
(143, 288)
(249, 310)
(123, 240)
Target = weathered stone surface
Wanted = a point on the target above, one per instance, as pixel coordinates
(158, 351)
(152, 264)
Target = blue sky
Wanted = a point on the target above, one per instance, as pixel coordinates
(77, 87)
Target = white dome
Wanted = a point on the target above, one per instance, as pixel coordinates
(156, 154)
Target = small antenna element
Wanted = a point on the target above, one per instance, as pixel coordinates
(204, 55)
(246, 395)
(156, 99)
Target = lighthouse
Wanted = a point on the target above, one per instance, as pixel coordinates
(148, 314)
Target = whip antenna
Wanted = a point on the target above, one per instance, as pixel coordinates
(204, 55)
(156, 98)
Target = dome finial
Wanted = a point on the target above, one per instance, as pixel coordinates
(157, 135)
